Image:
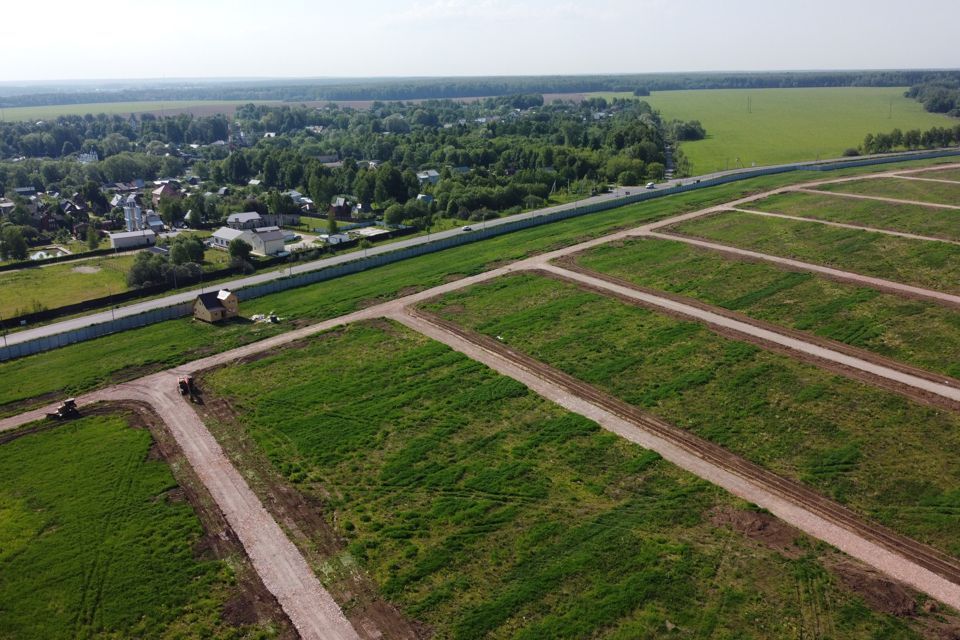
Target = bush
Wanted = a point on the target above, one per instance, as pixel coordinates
(851, 152)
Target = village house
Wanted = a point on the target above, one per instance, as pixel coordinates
(430, 176)
(216, 306)
(164, 191)
(132, 239)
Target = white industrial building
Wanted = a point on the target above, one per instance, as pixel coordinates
(133, 239)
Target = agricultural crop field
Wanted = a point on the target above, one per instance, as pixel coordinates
(787, 125)
(916, 219)
(97, 540)
(916, 332)
(481, 510)
(889, 458)
(913, 190)
(934, 265)
(170, 107)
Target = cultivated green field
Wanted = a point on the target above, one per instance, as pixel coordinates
(95, 541)
(890, 459)
(921, 333)
(170, 107)
(483, 511)
(787, 125)
(914, 190)
(927, 221)
(933, 265)
(83, 366)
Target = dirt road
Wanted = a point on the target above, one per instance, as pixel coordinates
(927, 179)
(844, 225)
(922, 567)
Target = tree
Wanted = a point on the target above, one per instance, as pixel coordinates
(171, 210)
(655, 171)
(186, 248)
(393, 214)
(93, 237)
(240, 253)
(12, 244)
(331, 221)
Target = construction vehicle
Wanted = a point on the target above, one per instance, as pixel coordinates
(186, 387)
(66, 410)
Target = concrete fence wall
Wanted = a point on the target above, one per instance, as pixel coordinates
(363, 263)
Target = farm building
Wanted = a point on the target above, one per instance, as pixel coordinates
(133, 239)
(265, 241)
(216, 306)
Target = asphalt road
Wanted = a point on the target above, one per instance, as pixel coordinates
(187, 296)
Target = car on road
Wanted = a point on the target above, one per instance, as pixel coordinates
(467, 228)
(651, 185)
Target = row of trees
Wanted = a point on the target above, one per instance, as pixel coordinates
(912, 139)
(446, 88)
(938, 96)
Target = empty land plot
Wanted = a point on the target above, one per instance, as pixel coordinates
(482, 510)
(920, 220)
(916, 332)
(888, 458)
(38, 288)
(899, 189)
(939, 174)
(98, 540)
(932, 265)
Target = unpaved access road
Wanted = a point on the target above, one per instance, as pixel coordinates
(861, 196)
(844, 225)
(285, 572)
(926, 179)
(918, 565)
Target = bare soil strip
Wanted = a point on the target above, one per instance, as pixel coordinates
(916, 564)
(844, 225)
(861, 196)
(788, 340)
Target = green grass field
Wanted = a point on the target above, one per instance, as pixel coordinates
(921, 333)
(94, 541)
(482, 510)
(886, 457)
(787, 125)
(941, 174)
(936, 223)
(32, 289)
(205, 107)
(914, 190)
(81, 367)
(933, 265)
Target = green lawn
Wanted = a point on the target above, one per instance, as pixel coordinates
(888, 458)
(933, 265)
(81, 367)
(38, 288)
(937, 223)
(482, 510)
(123, 108)
(95, 542)
(914, 190)
(787, 125)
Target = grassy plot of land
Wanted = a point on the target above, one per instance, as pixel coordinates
(83, 366)
(484, 511)
(888, 458)
(37, 288)
(774, 126)
(933, 265)
(96, 542)
(920, 333)
(927, 221)
(899, 189)
(169, 107)
(941, 174)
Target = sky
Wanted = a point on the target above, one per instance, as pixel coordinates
(101, 39)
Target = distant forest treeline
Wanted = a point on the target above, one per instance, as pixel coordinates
(424, 88)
